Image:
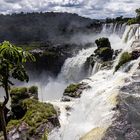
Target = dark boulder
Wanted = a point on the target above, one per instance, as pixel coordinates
(103, 51)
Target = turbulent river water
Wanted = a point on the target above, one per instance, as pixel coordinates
(73, 68)
(94, 109)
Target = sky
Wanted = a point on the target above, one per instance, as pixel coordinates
(87, 8)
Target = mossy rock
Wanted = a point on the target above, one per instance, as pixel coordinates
(125, 57)
(18, 94)
(18, 90)
(103, 42)
(105, 53)
(33, 92)
(74, 90)
(33, 89)
(37, 114)
(90, 61)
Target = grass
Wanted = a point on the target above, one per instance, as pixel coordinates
(37, 114)
(125, 57)
(72, 88)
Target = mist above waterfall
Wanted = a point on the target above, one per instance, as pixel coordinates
(51, 88)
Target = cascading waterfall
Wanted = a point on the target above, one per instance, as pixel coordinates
(131, 33)
(96, 68)
(73, 68)
(71, 71)
(94, 108)
(114, 28)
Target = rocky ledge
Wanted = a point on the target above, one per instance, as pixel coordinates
(74, 91)
(29, 118)
(125, 124)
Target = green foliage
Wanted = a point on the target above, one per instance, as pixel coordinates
(33, 89)
(18, 94)
(36, 114)
(119, 20)
(135, 20)
(18, 90)
(125, 57)
(72, 88)
(132, 21)
(11, 67)
(11, 64)
(45, 136)
(103, 51)
(103, 42)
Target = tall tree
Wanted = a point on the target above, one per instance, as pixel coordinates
(12, 59)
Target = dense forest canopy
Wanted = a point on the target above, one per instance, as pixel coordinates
(40, 27)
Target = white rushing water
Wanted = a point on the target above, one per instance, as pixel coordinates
(71, 71)
(73, 68)
(94, 108)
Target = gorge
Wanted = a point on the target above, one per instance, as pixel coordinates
(99, 112)
(94, 98)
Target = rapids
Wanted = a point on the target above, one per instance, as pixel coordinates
(95, 107)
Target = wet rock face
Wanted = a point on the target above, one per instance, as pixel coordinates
(50, 58)
(132, 88)
(103, 51)
(126, 125)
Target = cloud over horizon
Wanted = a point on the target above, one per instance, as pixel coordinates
(87, 8)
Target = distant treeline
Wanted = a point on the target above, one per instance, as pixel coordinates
(119, 19)
(129, 21)
(25, 28)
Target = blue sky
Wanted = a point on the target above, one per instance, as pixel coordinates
(87, 8)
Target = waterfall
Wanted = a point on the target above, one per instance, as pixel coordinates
(131, 33)
(96, 67)
(114, 28)
(73, 68)
(95, 107)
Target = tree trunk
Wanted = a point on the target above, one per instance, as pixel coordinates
(6, 99)
(3, 123)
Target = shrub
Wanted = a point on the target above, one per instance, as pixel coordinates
(125, 57)
(103, 42)
(18, 94)
(132, 21)
(33, 89)
(103, 51)
(18, 90)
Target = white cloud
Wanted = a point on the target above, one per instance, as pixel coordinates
(88, 8)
